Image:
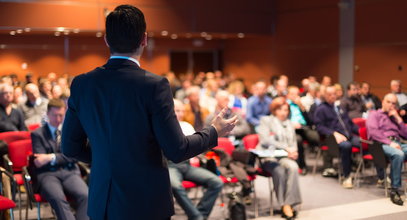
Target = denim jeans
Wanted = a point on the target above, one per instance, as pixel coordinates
(397, 158)
(202, 177)
(345, 149)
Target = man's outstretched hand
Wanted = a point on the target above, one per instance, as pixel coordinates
(224, 126)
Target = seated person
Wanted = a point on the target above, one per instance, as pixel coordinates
(258, 104)
(331, 120)
(353, 103)
(11, 119)
(184, 171)
(242, 128)
(302, 125)
(277, 132)
(195, 114)
(371, 101)
(35, 108)
(386, 126)
(56, 173)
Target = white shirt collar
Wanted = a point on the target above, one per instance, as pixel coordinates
(126, 58)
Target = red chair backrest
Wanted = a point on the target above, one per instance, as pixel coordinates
(32, 127)
(363, 135)
(250, 141)
(226, 145)
(360, 122)
(11, 136)
(18, 152)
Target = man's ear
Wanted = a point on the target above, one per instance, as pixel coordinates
(107, 44)
(144, 40)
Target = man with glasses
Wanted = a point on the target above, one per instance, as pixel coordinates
(386, 126)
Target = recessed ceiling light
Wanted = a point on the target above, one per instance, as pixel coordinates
(240, 35)
(19, 31)
(27, 29)
(57, 33)
(174, 36)
(99, 34)
(66, 32)
(76, 30)
(204, 34)
(12, 32)
(164, 33)
(2, 46)
(60, 29)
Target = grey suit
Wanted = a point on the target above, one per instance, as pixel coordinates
(281, 135)
(63, 176)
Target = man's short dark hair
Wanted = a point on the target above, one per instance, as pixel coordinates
(356, 84)
(55, 103)
(125, 28)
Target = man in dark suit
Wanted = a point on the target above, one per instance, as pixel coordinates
(127, 114)
(57, 173)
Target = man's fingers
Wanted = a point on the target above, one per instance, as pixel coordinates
(222, 113)
(231, 120)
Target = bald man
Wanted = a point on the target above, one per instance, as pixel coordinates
(35, 108)
(386, 126)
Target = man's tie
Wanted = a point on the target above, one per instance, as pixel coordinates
(57, 140)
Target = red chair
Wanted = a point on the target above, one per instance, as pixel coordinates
(7, 204)
(11, 136)
(360, 122)
(32, 196)
(19, 147)
(33, 127)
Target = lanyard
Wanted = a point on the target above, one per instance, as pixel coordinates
(126, 58)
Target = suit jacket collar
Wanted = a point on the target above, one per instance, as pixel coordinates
(116, 63)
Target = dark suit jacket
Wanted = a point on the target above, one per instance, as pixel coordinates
(127, 114)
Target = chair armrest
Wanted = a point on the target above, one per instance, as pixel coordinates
(8, 164)
(365, 141)
(28, 186)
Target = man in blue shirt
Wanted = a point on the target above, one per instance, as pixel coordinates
(258, 104)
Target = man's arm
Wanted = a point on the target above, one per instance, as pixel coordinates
(74, 138)
(319, 120)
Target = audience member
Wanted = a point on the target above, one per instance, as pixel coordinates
(18, 96)
(45, 88)
(396, 88)
(331, 120)
(371, 101)
(56, 173)
(194, 113)
(11, 119)
(339, 93)
(271, 89)
(300, 121)
(207, 96)
(352, 104)
(56, 92)
(281, 88)
(386, 126)
(304, 87)
(276, 132)
(35, 108)
(309, 99)
(326, 81)
(184, 171)
(242, 128)
(238, 103)
(258, 104)
(181, 93)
